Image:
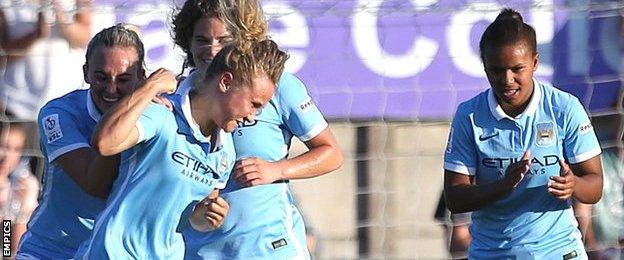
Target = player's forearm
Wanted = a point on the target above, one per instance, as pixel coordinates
(315, 162)
(588, 188)
(112, 133)
(466, 198)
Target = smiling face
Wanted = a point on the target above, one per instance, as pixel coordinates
(112, 74)
(238, 104)
(509, 70)
(209, 37)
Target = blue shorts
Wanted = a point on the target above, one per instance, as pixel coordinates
(33, 246)
(262, 223)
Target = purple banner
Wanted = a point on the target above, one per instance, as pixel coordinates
(406, 60)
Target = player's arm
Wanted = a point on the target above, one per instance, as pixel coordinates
(323, 156)
(583, 181)
(588, 180)
(462, 195)
(582, 178)
(209, 213)
(95, 174)
(117, 130)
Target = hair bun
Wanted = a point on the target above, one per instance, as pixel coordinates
(509, 13)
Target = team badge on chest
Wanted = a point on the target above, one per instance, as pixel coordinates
(223, 164)
(545, 134)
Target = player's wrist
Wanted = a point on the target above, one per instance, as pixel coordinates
(507, 185)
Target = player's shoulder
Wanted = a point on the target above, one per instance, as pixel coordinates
(289, 83)
(70, 99)
(476, 104)
(557, 98)
(160, 109)
(74, 102)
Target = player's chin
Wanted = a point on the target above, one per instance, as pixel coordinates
(230, 126)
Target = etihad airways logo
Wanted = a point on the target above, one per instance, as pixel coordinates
(194, 169)
(501, 163)
(538, 164)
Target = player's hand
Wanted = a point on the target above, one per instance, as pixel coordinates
(255, 171)
(562, 186)
(515, 171)
(163, 80)
(159, 99)
(217, 209)
(210, 212)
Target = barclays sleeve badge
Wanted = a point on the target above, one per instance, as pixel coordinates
(545, 134)
(306, 105)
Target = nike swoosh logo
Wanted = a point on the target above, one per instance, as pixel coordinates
(486, 137)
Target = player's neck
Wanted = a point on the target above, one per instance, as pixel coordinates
(201, 111)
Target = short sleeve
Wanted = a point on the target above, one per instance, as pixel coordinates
(152, 121)
(580, 142)
(60, 132)
(299, 112)
(459, 155)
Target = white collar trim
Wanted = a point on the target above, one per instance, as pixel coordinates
(92, 108)
(196, 131)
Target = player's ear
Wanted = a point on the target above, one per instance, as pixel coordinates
(85, 68)
(535, 61)
(225, 81)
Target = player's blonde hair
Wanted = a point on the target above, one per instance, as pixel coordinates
(248, 59)
(244, 19)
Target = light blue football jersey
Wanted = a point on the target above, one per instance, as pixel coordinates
(65, 215)
(263, 221)
(160, 180)
(529, 223)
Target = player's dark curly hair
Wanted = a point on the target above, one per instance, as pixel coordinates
(183, 23)
(508, 28)
(243, 18)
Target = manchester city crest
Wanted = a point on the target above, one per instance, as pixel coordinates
(545, 134)
(223, 164)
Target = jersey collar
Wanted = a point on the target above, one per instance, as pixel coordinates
(92, 109)
(185, 85)
(193, 128)
(497, 110)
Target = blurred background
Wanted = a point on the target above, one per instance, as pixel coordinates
(389, 75)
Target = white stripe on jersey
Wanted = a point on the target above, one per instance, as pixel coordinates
(289, 224)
